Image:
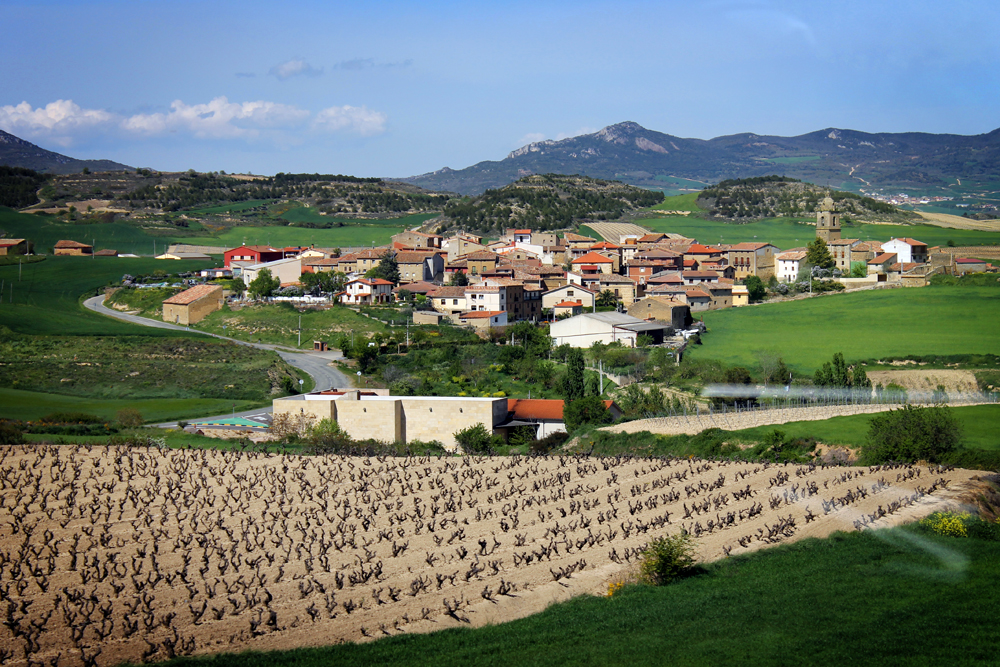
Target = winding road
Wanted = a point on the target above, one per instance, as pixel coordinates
(316, 364)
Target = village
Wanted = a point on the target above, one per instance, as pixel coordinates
(637, 289)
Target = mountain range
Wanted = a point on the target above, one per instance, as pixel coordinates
(16, 152)
(852, 160)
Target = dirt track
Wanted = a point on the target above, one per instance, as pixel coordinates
(958, 222)
(108, 555)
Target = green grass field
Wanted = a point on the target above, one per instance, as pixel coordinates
(980, 426)
(30, 405)
(891, 597)
(279, 324)
(936, 320)
(46, 297)
(46, 230)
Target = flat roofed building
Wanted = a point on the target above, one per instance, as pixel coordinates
(588, 328)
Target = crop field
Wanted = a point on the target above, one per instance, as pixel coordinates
(110, 555)
(46, 297)
(936, 320)
(46, 230)
(31, 405)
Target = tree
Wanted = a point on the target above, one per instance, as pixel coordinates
(458, 279)
(859, 270)
(755, 288)
(238, 286)
(387, 269)
(324, 282)
(817, 254)
(587, 410)
(263, 285)
(129, 418)
(606, 298)
(573, 385)
(911, 434)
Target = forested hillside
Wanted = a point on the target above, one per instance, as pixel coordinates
(548, 201)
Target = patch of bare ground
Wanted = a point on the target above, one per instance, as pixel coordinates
(953, 381)
(110, 555)
(958, 222)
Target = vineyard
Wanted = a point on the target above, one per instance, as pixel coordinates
(110, 555)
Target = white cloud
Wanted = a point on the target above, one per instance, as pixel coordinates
(58, 120)
(362, 120)
(219, 118)
(63, 120)
(294, 67)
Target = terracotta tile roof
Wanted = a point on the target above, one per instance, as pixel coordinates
(411, 257)
(792, 255)
(189, 296)
(698, 293)
(576, 238)
(605, 245)
(568, 304)
(480, 255)
(72, 244)
(748, 246)
(699, 249)
(883, 258)
(592, 258)
(520, 231)
(322, 261)
(969, 260)
(481, 314)
(6, 243)
(447, 292)
(535, 408)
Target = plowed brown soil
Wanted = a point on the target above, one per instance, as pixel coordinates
(112, 555)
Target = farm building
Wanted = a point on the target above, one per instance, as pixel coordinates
(72, 249)
(663, 309)
(252, 254)
(367, 414)
(106, 252)
(965, 265)
(13, 247)
(586, 329)
(546, 415)
(192, 305)
(285, 270)
(484, 319)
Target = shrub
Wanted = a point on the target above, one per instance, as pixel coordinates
(477, 440)
(961, 524)
(70, 418)
(588, 410)
(10, 434)
(548, 443)
(911, 434)
(666, 558)
(129, 418)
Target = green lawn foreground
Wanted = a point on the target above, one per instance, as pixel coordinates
(980, 429)
(935, 320)
(888, 597)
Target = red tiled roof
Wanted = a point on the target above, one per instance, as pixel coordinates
(536, 408)
(592, 258)
(969, 260)
(71, 244)
(481, 314)
(699, 249)
(568, 304)
(747, 246)
(6, 243)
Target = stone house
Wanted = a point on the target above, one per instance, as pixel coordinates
(72, 249)
(192, 305)
(752, 259)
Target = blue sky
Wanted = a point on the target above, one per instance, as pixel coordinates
(402, 88)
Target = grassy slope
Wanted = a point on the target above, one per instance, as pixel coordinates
(353, 233)
(872, 598)
(30, 405)
(790, 233)
(862, 325)
(46, 298)
(980, 425)
(46, 230)
(279, 324)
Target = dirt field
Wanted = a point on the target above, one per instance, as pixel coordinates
(112, 555)
(612, 231)
(958, 222)
(954, 381)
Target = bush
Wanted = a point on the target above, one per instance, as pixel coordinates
(129, 418)
(548, 443)
(961, 524)
(10, 434)
(477, 440)
(666, 558)
(588, 410)
(911, 434)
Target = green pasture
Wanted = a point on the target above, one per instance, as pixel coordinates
(685, 202)
(46, 230)
(797, 159)
(46, 297)
(935, 320)
(887, 597)
(980, 429)
(278, 324)
(232, 207)
(31, 405)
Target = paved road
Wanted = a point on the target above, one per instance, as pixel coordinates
(315, 364)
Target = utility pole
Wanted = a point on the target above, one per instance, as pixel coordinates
(300, 330)
(601, 375)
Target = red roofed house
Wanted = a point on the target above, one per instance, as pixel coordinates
(484, 319)
(367, 291)
(252, 254)
(13, 247)
(965, 265)
(594, 262)
(752, 259)
(701, 253)
(192, 305)
(545, 414)
(909, 251)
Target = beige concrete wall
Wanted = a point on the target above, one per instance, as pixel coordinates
(379, 419)
(314, 410)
